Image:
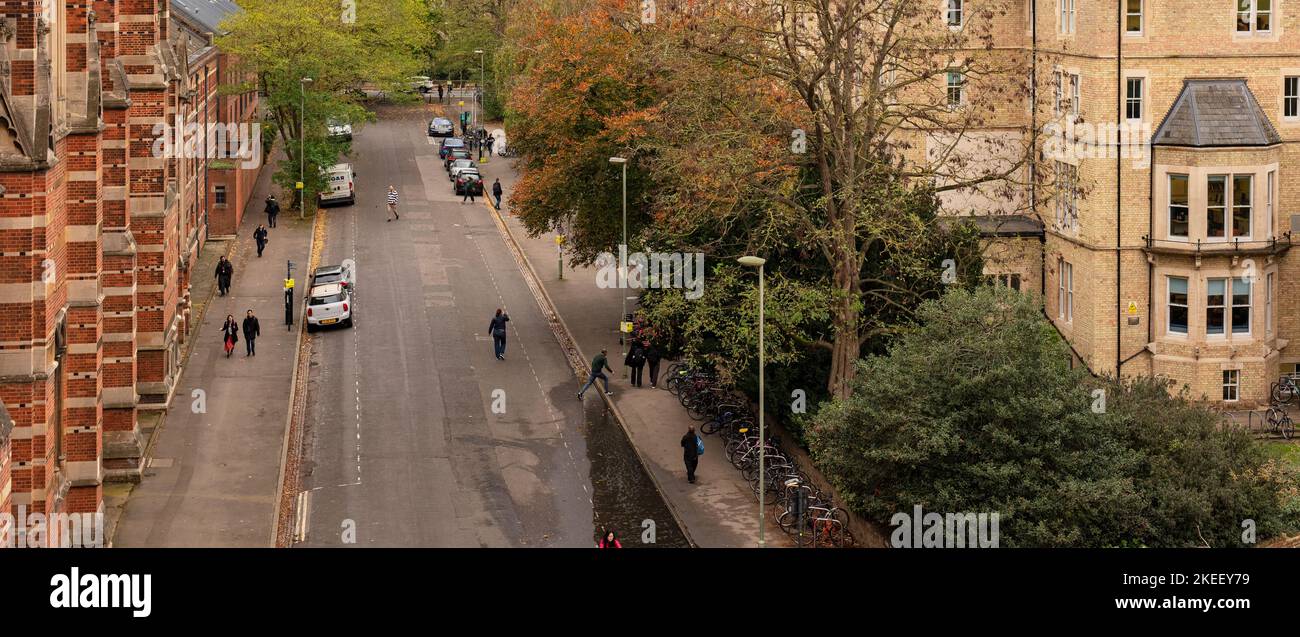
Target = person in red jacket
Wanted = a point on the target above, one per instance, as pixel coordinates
(610, 541)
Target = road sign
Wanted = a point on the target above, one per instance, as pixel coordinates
(625, 327)
(288, 284)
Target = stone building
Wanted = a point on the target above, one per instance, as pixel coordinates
(97, 234)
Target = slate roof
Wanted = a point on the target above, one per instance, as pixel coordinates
(1000, 225)
(204, 13)
(1211, 113)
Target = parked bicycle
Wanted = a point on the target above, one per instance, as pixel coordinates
(1279, 422)
(1284, 391)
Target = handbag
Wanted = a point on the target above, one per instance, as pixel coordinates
(699, 446)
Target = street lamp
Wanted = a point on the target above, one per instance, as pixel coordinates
(757, 262)
(622, 161)
(477, 93)
(302, 146)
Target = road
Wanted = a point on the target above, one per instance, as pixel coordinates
(405, 445)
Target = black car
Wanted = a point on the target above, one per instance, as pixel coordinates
(469, 181)
(449, 144)
(458, 153)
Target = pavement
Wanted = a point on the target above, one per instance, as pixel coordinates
(212, 477)
(720, 509)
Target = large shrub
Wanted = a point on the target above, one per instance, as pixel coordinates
(977, 409)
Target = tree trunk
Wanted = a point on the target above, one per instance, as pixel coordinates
(845, 346)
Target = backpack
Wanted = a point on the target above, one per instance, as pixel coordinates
(699, 446)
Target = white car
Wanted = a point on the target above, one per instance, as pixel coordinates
(329, 304)
(461, 165)
(338, 186)
(339, 129)
(422, 83)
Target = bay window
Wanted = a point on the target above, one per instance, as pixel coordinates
(1216, 211)
(1177, 305)
(1242, 189)
(1179, 216)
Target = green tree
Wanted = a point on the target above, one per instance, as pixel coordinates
(280, 42)
(977, 409)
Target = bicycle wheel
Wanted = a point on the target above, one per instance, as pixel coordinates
(1287, 427)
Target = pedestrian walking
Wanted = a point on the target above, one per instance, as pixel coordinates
(609, 540)
(225, 273)
(467, 193)
(497, 328)
(272, 210)
(252, 329)
(260, 236)
(230, 334)
(496, 192)
(392, 203)
(691, 453)
(598, 366)
(653, 356)
(440, 93)
(490, 140)
(635, 360)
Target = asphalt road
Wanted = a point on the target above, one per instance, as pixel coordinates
(404, 442)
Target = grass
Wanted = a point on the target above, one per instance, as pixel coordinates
(1285, 451)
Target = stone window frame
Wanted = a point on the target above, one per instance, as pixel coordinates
(1231, 380)
(1169, 305)
(1141, 16)
(1289, 120)
(1197, 296)
(1260, 229)
(1275, 21)
(957, 8)
(1067, 18)
(1144, 99)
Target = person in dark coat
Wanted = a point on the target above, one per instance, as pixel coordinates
(490, 140)
(653, 356)
(598, 366)
(496, 192)
(497, 328)
(635, 360)
(230, 334)
(272, 210)
(251, 331)
(225, 272)
(259, 235)
(690, 453)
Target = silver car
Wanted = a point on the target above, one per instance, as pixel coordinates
(329, 304)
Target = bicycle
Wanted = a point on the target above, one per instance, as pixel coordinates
(1284, 390)
(1279, 422)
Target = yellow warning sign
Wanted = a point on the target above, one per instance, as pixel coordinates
(626, 327)
(288, 284)
(1132, 308)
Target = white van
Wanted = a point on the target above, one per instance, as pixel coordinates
(338, 186)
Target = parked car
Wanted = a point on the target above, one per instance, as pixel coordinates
(449, 144)
(459, 165)
(457, 153)
(339, 129)
(421, 83)
(338, 188)
(468, 180)
(341, 274)
(441, 127)
(329, 304)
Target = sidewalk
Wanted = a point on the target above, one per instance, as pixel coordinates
(213, 475)
(720, 510)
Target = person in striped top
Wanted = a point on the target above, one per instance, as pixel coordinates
(392, 203)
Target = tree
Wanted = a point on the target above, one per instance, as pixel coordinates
(280, 42)
(977, 409)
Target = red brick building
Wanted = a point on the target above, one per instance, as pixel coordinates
(98, 230)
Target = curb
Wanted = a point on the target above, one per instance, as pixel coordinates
(578, 366)
(282, 518)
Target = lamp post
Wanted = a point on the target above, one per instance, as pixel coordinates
(757, 262)
(302, 146)
(477, 92)
(622, 339)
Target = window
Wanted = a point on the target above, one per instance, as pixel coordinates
(1268, 304)
(954, 13)
(219, 195)
(1215, 291)
(1074, 94)
(1241, 306)
(1178, 206)
(1058, 92)
(1268, 202)
(1216, 197)
(1067, 16)
(956, 86)
(1177, 319)
(1133, 98)
(1254, 16)
(1241, 194)
(1291, 96)
(1133, 16)
(1231, 382)
(1005, 280)
(1067, 195)
(1065, 291)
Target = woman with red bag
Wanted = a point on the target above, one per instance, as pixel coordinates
(230, 333)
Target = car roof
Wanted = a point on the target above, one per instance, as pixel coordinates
(453, 141)
(441, 120)
(338, 168)
(327, 269)
(327, 290)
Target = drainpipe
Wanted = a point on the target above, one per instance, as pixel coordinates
(1033, 152)
(1119, 183)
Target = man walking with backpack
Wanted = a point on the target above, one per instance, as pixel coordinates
(496, 192)
(692, 447)
(272, 210)
(497, 328)
(598, 366)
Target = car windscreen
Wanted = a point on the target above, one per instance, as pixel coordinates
(327, 299)
(452, 142)
(322, 279)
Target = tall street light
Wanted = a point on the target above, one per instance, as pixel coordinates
(757, 262)
(477, 93)
(622, 161)
(302, 147)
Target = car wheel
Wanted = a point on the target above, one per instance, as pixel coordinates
(310, 328)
